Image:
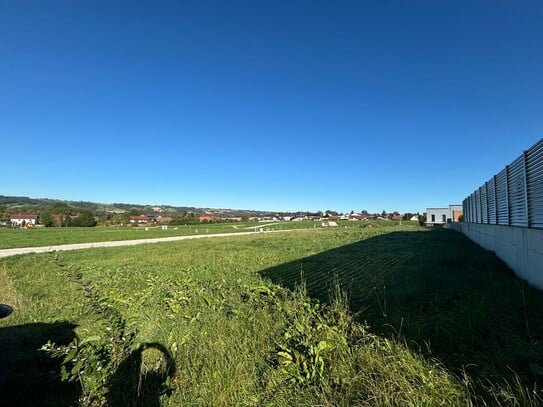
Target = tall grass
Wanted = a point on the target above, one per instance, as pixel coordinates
(239, 339)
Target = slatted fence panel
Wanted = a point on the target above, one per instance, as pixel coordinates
(516, 186)
(491, 201)
(484, 204)
(534, 172)
(512, 197)
(501, 201)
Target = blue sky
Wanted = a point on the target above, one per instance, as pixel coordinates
(271, 105)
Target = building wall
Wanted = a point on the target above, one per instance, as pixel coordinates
(435, 215)
(521, 248)
(443, 215)
(19, 222)
(456, 211)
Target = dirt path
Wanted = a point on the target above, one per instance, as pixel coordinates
(78, 246)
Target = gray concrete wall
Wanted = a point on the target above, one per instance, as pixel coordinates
(521, 248)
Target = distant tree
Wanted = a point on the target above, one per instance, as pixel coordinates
(46, 218)
(364, 212)
(187, 218)
(64, 220)
(4, 213)
(84, 219)
(422, 219)
(61, 208)
(120, 219)
(384, 214)
(245, 218)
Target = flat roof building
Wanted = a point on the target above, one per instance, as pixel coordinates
(441, 216)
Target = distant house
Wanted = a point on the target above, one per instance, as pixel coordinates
(356, 216)
(140, 219)
(441, 216)
(23, 220)
(208, 218)
(163, 219)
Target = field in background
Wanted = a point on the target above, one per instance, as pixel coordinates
(438, 320)
(12, 238)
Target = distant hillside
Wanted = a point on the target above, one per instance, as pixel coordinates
(40, 203)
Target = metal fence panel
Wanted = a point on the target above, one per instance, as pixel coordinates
(501, 201)
(491, 201)
(516, 185)
(477, 206)
(534, 173)
(484, 204)
(473, 208)
(512, 197)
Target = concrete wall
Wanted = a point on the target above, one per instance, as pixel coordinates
(521, 248)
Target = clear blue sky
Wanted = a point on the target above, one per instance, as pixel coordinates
(271, 105)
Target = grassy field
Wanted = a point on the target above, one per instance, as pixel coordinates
(12, 238)
(425, 318)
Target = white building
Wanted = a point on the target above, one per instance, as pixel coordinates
(20, 220)
(441, 216)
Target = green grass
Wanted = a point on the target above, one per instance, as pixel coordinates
(437, 320)
(12, 238)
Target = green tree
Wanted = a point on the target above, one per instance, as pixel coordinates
(190, 218)
(46, 218)
(85, 219)
(61, 208)
(422, 219)
(4, 213)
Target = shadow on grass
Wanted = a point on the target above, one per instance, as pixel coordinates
(28, 376)
(446, 297)
(130, 387)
